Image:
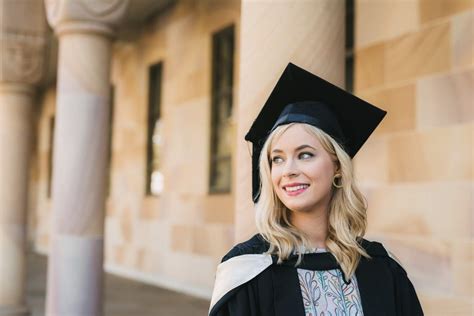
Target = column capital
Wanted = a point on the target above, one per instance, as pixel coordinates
(22, 57)
(88, 16)
(23, 42)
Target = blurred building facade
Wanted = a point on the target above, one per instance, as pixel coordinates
(186, 80)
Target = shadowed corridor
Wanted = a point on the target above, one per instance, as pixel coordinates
(123, 297)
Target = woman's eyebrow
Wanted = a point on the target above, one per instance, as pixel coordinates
(305, 146)
(276, 150)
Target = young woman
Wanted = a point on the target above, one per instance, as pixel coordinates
(310, 257)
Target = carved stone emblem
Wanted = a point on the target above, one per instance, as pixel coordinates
(22, 58)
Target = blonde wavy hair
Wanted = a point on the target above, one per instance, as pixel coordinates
(347, 216)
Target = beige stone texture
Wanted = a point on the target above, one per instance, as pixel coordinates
(441, 154)
(81, 145)
(177, 269)
(216, 209)
(33, 182)
(42, 208)
(405, 57)
(416, 170)
(125, 255)
(463, 266)
(114, 230)
(16, 132)
(80, 138)
(445, 100)
(23, 37)
(213, 240)
(434, 9)
(206, 240)
(441, 306)
(187, 145)
(148, 233)
(377, 21)
(369, 67)
(462, 39)
(400, 103)
(429, 209)
(23, 42)
(417, 54)
(182, 238)
(150, 208)
(159, 239)
(372, 161)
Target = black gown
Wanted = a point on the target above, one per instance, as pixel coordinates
(384, 287)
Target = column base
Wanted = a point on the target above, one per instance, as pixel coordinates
(14, 311)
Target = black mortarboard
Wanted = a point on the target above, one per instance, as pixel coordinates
(299, 96)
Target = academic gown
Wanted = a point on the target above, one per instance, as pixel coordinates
(251, 283)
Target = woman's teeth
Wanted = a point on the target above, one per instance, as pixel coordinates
(296, 188)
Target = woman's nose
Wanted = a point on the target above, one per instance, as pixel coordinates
(291, 169)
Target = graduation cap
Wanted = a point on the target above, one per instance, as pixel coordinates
(300, 96)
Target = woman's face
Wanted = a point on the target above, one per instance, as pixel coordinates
(302, 171)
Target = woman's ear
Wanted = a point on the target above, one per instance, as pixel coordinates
(337, 167)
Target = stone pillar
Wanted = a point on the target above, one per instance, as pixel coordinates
(22, 45)
(309, 33)
(75, 272)
(16, 109)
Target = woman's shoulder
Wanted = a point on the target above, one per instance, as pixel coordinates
(378, 250)
(255, 245)
(373, 248)
(382, 261)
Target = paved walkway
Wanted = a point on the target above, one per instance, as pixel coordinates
(123, 297)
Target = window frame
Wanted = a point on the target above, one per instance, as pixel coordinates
(155, 87)
(217, 94)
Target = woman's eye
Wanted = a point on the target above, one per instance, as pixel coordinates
(276, 159)
(306, 155)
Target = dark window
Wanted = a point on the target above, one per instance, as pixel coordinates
(221, 110)
(350, 14)
(111, 121)
(50, 156)
(154, 176)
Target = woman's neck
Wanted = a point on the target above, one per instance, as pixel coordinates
(314, 225)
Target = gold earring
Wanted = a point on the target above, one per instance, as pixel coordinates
(337, 175)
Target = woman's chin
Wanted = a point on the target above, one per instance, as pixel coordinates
(299, 206)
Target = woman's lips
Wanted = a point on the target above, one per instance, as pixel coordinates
(297, 191)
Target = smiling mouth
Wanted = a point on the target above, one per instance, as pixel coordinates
(295, 190)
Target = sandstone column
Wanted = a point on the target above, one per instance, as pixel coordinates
(16, 110)
(85, 29)
(308, 33)
(22, 45)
